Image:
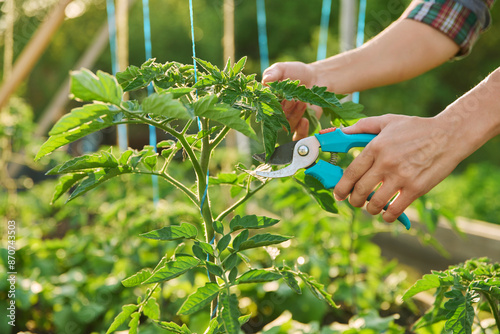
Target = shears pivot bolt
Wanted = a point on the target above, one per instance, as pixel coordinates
(303, 150)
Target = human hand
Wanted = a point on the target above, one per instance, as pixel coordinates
(409, 157)
(294, 110)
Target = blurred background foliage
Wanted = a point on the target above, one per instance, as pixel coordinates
(78, 253)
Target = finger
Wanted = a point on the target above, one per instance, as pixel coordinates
(352, 174)
(363, 188)
(294, 113)
(381, 197)
(368, 125)
(397, 207)
(318, 110)
(302, 129)
(273, 73)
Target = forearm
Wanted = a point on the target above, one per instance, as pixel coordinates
(475, 117)
(404, 50)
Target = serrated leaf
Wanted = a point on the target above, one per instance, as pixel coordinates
(126, 312)
(165, 105)
(260, 240)
(137, 279)
(208, 107)
(103, 87)
(271, 125)
(79, 116)
(224, 178)
(349, 111)
(199, 299)
(461, 311)
(173, 269)
(223, 243)
(151, 309)
(230, 313)
(317, 289)
(291, 281)
(239, 66)
(427, 282)
(293, 90)
(173, 232)
(258, 276)
(239, 239)
(134, 323)
(65, 184)
(94, 179)
(315, 188)
(102, 159)
(65, 137)
(173, 327)
(251, 222)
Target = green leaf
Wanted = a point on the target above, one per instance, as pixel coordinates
(239, 66)
(102, 159)
(315, 188)
(214, 269)
(207, 248)
(151, 309)
(427, 282)
(238, 240)
(258, 276)
(271, 125)
(233, 273)
(79, 123)
(80, 116)
(173, 269)
(199, 299)
(173, 327)
(291, 281)
(208, 107)
(165, 105)
(317, 289)
(218, 227)
(96, 178)
(137, 279)
(260, 240)
(65, 183)
(134, 323)
(230, 261)
(223, 243)
(291, 90)
(224, 178)
(230, 313)
(126, 312)
(184, 231)
(150, 162)
(461, 311)
(251, 222)
(103, 87)
(199, 252)
(349, 111)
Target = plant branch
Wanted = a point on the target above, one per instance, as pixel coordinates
(494, 310)
(242, 200)
(180, 186)
(217, 140)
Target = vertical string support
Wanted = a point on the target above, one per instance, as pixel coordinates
(323, 30)
(261, 25)
(149, 54)
(360, 36)
(110, 8)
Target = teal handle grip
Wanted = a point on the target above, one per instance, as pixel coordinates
(337, 141)
(329, 175)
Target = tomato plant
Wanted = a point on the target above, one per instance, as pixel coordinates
(217, 101)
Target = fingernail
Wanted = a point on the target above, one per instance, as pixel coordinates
(337, 198)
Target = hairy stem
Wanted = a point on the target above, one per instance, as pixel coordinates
(180, 186)
(494, 310)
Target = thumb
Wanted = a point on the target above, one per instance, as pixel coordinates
(367, 125)
(272, 73)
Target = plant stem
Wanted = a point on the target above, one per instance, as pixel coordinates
(239, 202)
(179, 186)
(219, 138)
(494, 310)
(352, 263)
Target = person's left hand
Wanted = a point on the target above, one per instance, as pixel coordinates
(409, 156)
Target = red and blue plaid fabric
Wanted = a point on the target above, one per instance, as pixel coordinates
(453, 19)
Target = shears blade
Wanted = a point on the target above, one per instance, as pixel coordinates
(282, 155)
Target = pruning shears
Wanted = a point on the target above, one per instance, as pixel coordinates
(304, 154)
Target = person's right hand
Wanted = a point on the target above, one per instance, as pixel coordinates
(294, 110)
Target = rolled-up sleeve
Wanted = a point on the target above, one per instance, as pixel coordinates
(461, 20)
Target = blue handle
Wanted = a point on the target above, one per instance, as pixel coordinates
(337, 141)
(329, 175)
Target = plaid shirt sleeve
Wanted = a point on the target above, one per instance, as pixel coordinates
(453, 18)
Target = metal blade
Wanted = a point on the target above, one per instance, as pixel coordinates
(282, 155)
